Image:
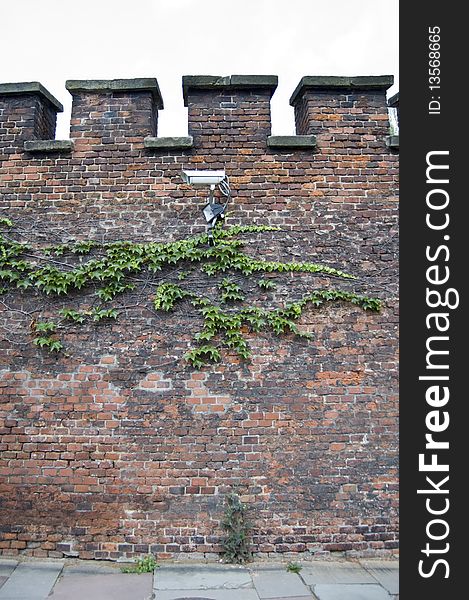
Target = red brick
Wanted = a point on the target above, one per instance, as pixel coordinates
(139, 449)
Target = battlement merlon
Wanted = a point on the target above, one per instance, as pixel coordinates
(31, 87)
(29, 111)
(110, 108)
(334, 105)
(236, 107)
(228, 84)
(334, 83)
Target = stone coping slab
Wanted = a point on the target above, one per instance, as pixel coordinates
(202, 577)
(142, 84)
(392, 141)
(170, 143)
(329, 82)
(228, 83)
(295, 142)
(394, 100)
(30, 87)
(48, 145)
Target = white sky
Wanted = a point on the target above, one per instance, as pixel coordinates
(54, 40)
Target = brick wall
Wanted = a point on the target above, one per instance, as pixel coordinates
(118, 447)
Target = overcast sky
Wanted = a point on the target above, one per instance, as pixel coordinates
(54, 40)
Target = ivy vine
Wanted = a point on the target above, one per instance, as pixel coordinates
(113, 266)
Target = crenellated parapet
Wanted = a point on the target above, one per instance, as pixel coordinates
(332, 114)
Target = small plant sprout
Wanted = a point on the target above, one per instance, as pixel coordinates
(294, 567)
(145, 564)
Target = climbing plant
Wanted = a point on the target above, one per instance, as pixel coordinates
(111, 269)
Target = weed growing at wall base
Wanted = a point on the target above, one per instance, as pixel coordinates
(236, 545)
(146, 564)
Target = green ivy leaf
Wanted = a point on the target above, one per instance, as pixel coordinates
(166, 296)
(105, 313)
(45, 326)
(201, 355)
(266, 284)
(49, 343)
(230, 291)
(72, 315)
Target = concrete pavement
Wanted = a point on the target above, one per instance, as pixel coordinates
(317, 580)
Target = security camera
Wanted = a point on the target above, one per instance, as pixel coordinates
(203, 177)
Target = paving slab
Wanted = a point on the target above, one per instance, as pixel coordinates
(354, 591)
(31, 581)
(386, 572)
(195, 594)
(278, 584)
(96, 568)
(116, 586)
(201, 577)
(295, 597)
(267, 566)
(7, 567)
(335, 572)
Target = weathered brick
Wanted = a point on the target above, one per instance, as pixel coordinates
(116, 448)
